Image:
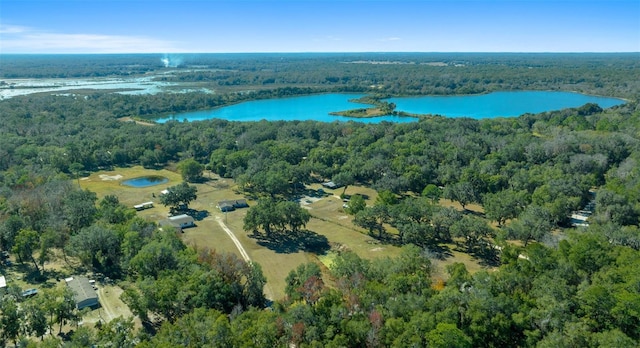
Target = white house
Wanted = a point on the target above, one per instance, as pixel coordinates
(182, 221)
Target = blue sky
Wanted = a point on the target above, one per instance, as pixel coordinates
(220, 26)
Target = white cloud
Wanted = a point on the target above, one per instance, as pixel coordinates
(17, 39)
(11, 29)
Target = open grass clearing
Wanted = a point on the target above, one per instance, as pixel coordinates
(110, 183)
(328, 221)
(111, 306)
(275, 266)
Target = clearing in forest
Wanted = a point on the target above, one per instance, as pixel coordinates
(329, 224)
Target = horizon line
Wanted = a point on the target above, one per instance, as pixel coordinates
(325, 52)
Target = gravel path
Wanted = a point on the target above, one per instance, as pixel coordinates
(245, 256)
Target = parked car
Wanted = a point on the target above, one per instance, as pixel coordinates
(30, 292)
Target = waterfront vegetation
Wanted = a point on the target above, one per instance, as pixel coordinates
(497, 194)
(381, 108)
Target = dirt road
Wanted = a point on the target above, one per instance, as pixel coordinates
(267, 290)
(235, 240)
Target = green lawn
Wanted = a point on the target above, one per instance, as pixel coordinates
(328, 220)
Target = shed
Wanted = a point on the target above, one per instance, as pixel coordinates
(182, 221)
(232, 204)
(83, 292)
(241, 203)
(3, 282)
(226, 206)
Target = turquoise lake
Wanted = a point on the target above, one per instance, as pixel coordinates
(318, 107)
(313, 107)
(499, 104)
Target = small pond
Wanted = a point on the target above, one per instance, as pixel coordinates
(145, 181)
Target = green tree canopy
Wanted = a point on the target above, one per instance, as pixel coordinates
(474, 230)
(535, 223)
(432, 192)
(25, 245)
(179, 196)
(355, 204)
(343, 178)
(504, 205)
(79, 207)
(269, 214)
(97, 247)
(191, 170)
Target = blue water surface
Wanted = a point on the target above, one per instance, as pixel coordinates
(499, 104)
(313, 107)
(145, 181)
(318, 107)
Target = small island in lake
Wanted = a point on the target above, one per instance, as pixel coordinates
(380, 108)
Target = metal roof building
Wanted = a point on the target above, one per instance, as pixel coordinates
(232, 204)
(182, 221)
(83, 292)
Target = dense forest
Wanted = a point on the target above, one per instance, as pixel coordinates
(553, 285)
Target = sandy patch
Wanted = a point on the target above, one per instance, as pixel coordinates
(106, 177)
(376, 249)
(129, 119)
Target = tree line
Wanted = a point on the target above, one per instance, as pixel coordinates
(391, 73)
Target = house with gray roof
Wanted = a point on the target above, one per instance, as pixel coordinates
(232, 204)
(84, 293)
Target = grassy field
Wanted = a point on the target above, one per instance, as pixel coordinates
(328, 221)
(110, 183)
(207, 233)
(111, 306)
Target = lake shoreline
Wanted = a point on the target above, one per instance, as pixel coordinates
(322, 106)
